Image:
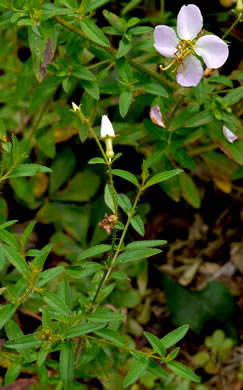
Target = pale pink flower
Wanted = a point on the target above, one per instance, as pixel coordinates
(156, 116)
(213, 50)
(229, 135)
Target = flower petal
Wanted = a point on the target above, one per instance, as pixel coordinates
(229, 135)
(156, 116)
(192, 74)
(189, 22)
(106, 127)
(213, 50)
(165, 40)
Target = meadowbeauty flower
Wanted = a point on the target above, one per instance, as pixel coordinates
(187, 44)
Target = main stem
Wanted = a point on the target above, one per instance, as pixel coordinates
(113, 261)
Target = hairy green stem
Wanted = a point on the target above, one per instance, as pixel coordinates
(113, 261)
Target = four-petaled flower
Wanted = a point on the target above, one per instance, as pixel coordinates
(211, 48)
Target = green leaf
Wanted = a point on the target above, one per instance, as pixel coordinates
(67, 364)
(189, 190)
(126, 175)
(183, 371)
(233, 96)
(94, 33)
(124, 48)
(161, 177)
(109, 201)
(156, 89)
(27, 170)
(138, 369)
(125, 102)
(6, 312)
(222, 80)
(70, 3)
(105, 315)
(27, 341)
(56, 303)
(172, 355)
(156, 343)
(12, 373)
(42, 353)
(82, 73)
(9, 239)
(93, 4)
(125, 203)
(94, 251)
(118, 23)
(27, 233)
(155, 369)
(112, 336)
(97, 160)
(198, 307)
(145, 244)
(137, 254)
(139, 30)
(173, 337)
(41, 257)
(92, 88)
(49, 274)
(137, 224)
(198, 119)
(124, 70)
(82, 329)
(16, 260)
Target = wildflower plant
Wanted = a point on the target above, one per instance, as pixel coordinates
(77, 307)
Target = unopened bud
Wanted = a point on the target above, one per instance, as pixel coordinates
(75, 107)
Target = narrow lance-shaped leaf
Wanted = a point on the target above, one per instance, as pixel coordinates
(27, 341)
(138, 225)
(126, 175)
(162, 177)
(173, 337)
(138, 369)
(156, 343)
(28, 170)
(82, 329)
(94, 251)
(67, 364)
(16, 260)
(94, 33)
(137, 254)
(183, 371)
(56, 303)
(110, 335)
(6, 312)
(145, 244)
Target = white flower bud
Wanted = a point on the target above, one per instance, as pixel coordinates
(106, 127)
(229, 135)
(75, 107)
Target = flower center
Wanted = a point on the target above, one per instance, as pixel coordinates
(183, 49)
